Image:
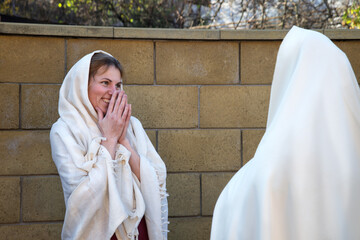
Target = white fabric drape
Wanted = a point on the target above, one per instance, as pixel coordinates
(102, 195)
(304, 179)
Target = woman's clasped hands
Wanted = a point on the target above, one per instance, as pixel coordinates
(114, 124)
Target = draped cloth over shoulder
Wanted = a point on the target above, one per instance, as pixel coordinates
(304, 179)
(102, 195)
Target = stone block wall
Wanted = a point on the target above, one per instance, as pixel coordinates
(202, 96)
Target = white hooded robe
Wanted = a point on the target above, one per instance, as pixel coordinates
(102, 195)
(303, 182)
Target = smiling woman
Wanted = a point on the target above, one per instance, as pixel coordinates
(114, 181)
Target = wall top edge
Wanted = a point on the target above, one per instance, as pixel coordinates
(159, 33)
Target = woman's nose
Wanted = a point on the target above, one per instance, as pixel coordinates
(112, 89)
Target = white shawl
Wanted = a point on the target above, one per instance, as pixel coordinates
(102, 195)
(304, 180)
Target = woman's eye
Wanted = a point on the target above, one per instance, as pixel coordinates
(105, 83)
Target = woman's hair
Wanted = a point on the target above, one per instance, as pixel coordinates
(99, 60)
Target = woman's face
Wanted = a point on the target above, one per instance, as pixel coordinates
(103, 85)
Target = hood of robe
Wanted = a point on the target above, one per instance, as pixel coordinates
(315, 101)
(75, 108)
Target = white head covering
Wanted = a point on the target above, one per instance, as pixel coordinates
(304, 180)
(75, 108)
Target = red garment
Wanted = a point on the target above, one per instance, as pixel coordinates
(143, 234)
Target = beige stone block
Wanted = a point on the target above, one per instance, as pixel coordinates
(342, 33)
(197, 62)
(164, 106)
(184, 194)
(200, 150)
(152, 136)
(253, 34)
(56, 30)
(42, 231)
(136, 56)
(257, 61)
(165, 33)
(39, 105)
(9, 105)
(212, 185)
(234, 106)
(43, 199)
(32, 59)
(251, 140)
(25, 152)
(352, 49)
(9, 199)
(194, 228)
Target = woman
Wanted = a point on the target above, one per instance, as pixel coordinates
(112, 177)
(304, 179)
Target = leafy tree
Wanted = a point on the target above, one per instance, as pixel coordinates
(351, 17)
(128, 13)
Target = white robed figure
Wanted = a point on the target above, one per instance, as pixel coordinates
(304, 179)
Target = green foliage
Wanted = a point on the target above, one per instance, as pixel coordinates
(351, 17)
(127, 13)
(146, 13)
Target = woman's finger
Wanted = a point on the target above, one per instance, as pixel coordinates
(112, 102)
(128, 115)
(125, 113)
(118, 101)
(122, 106)
(100, 114)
